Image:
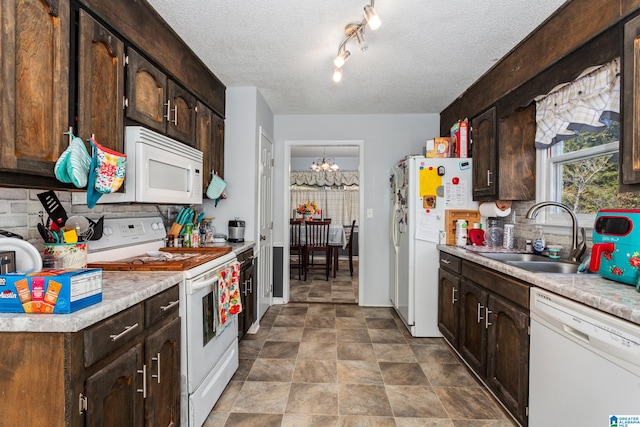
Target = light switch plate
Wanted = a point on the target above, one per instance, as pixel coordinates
(369, 213)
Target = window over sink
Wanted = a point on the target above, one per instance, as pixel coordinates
(578, 134)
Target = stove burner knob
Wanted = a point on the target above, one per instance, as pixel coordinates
(154, 226)
(108, 231)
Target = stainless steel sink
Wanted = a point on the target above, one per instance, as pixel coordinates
(504, 257)
(535, 263)
(546, 266)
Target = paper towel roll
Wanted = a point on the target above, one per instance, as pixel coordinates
(490, 209)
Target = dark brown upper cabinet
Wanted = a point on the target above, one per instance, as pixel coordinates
(210, 140)
(630, 149)
(484, 155)
(157, 102)
(516, 178)
(100, 84)
(34, 60)
(504, 157)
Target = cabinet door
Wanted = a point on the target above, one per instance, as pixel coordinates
(100, 84)
(162, 358)
(34, 67)
(630, 147)
(146, 92)
(508, 355)
(113, 399)
(218, 145)
(484, 152)
(249, 307)
(204, 141)
(472, 339)
(181, 123)
(517, 155)
(448, 295)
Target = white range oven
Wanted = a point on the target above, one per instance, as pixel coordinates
(209, 332)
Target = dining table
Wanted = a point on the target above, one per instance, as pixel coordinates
(337, 239)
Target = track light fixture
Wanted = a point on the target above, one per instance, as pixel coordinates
(355, 30)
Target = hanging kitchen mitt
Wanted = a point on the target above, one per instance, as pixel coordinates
(107, 172)
(216, 187)
(74, 163)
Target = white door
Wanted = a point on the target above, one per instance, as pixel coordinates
(265, 244)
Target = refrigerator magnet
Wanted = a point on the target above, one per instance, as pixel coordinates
(429, 202)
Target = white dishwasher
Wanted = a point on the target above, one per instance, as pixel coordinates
(584, 364)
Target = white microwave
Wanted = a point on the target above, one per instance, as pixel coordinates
(159, 170)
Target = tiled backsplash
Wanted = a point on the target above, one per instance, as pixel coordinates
(20, 207)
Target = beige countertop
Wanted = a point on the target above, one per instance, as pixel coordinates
(611, 297)
(120, 290)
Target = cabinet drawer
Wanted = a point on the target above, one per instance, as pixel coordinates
(450, 262)
(245, 259)
(498, 283)
(161, 306)
(106, 336)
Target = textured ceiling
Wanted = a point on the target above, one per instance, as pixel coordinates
(425, 54)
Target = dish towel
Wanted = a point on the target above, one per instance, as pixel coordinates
(107, 172)
(228, 296)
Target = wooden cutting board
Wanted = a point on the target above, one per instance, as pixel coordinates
(453, 215)
(145, 263)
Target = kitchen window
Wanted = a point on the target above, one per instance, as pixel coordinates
(577, 136)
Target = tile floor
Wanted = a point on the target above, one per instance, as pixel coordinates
(341, 289)
(315, 364)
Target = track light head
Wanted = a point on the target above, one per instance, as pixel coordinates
(337, 75)
(342, 58)
(372, 18)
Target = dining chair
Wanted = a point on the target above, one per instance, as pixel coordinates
(317, 240)
(295, 246)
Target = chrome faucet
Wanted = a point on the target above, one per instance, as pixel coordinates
(577, 249)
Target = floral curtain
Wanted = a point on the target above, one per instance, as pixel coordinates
(342, 206)
(325, 178)
(589, 103)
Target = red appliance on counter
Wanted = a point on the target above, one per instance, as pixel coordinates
(616, 245)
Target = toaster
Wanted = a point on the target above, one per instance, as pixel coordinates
(616, 245)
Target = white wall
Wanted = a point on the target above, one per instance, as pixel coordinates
(387, 138)
(246, 112)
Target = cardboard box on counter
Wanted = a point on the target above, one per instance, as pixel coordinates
(50, 290)
(460, 138)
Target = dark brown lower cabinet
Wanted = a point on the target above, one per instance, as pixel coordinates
(121, 371)
(114, 399)
(247, 285)
(490, 331)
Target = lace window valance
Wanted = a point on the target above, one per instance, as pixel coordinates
(326, 178)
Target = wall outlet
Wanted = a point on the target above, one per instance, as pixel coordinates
(369, 213)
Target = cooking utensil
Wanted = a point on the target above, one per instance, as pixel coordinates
(176, 227)
(43, 232)
(54, 208)
(78, 223)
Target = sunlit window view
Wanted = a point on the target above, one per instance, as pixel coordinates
(586, 169)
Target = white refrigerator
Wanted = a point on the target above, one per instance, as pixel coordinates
(422, 189)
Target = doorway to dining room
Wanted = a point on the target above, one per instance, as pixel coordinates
(338, 194)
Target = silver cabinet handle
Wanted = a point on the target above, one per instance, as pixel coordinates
(244, 288)
(250, 284)
(175, 113)
(445, 261)
(480, 307)
(486, 318)
(170, 306)
(489, 173)
(127, 329)
(143, 390)
(453, 296)
(157, 359)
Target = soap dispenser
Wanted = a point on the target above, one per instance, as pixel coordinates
(539, 242)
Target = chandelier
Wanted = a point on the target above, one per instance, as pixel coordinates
(355, 30)
(324, 164)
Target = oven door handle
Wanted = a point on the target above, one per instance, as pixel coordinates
(204, 284)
